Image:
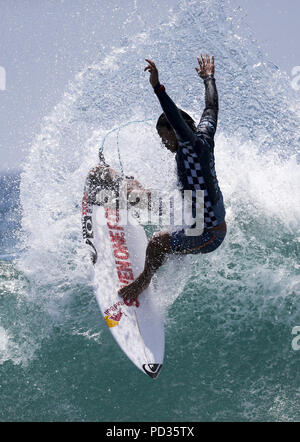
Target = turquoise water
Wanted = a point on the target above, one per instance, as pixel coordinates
(230, 314)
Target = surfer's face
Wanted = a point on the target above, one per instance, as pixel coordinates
(168, 138)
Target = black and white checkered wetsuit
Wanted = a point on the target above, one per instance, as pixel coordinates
(195, 154)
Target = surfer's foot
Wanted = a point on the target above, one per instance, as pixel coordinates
(133, 290)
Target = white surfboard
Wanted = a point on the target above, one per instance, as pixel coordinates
(119, 254)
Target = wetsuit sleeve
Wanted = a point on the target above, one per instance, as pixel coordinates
(182, 130)
(209, 119)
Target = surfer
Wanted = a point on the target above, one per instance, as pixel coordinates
(194, 149)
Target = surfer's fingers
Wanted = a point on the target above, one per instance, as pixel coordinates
(198, 71)
(200, 62)
(126, 298)
(203, 59)
(150, 62)
(122, 292)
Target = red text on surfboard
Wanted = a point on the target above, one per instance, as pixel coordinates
(120, 251)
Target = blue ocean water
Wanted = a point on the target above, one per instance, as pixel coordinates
(230, 314)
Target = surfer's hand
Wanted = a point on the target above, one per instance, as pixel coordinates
(153, 72)
(137, 194)
(207, 66)
(132, 184)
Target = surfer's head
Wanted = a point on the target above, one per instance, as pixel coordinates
(166, 132)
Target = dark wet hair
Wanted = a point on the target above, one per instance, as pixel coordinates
(163, 121)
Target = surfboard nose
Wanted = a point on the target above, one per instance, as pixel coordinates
(152, 370)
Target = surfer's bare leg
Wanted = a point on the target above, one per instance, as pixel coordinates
(157, 250)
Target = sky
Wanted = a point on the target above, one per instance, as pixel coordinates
(44, 43)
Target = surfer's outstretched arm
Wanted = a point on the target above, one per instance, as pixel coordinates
(209, 118)
(183, 131)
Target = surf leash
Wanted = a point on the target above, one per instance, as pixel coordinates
(118, 129)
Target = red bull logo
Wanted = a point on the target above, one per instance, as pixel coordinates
(114, 319)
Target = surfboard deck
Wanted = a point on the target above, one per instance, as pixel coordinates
(118, 245)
